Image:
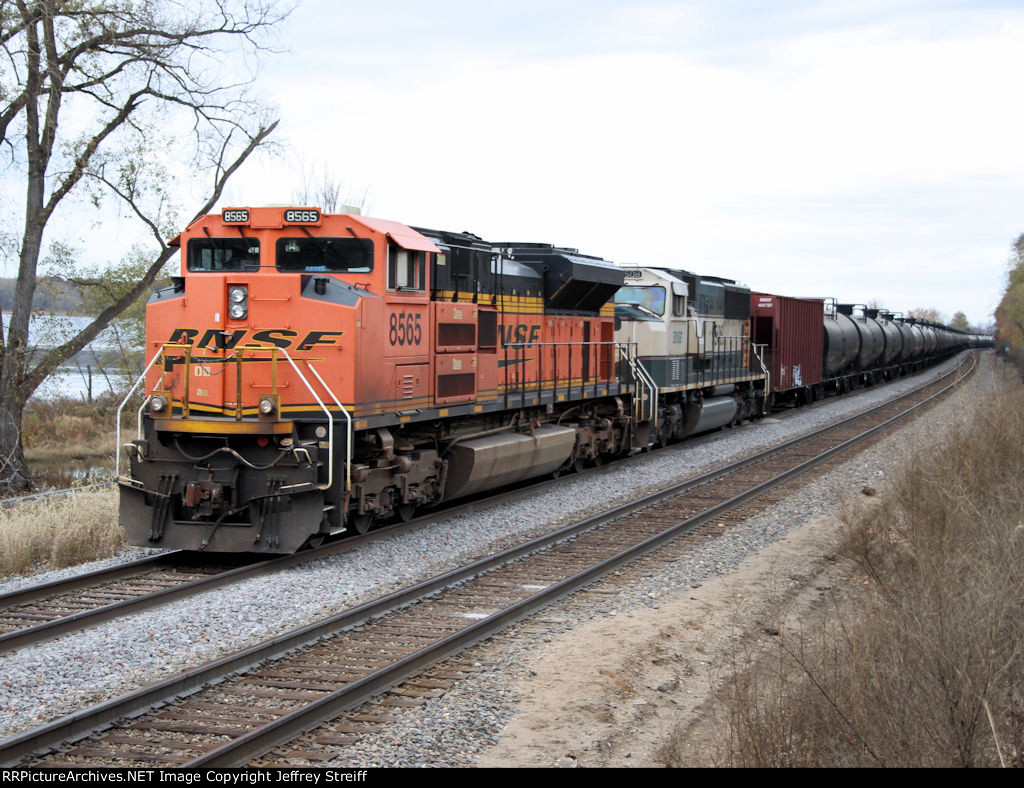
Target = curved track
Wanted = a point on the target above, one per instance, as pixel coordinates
(262, 698)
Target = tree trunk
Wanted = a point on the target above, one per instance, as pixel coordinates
(14, 476)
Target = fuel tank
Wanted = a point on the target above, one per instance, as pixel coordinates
(496, 460)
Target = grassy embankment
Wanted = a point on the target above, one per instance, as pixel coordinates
(922, 663)
(64, 429)
(58, 532)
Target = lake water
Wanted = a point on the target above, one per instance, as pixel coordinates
(83, 371)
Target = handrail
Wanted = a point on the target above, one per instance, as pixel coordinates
(641, 374)
(764, 368)
(330, 420)
(348, 440)
(238, 359)
(117, 432)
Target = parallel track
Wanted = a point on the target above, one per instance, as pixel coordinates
(35, 614)
(326, 668)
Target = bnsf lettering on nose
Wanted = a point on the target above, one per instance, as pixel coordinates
(217, 339)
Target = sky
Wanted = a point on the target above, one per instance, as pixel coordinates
(863, 150)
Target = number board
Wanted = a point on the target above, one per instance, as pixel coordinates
(303, 216)
(405, 328)
(235, 216)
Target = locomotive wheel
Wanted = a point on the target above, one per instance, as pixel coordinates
(362, 523)
(578, 464)
(406, 511)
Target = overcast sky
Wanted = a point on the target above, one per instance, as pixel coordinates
(861, 149)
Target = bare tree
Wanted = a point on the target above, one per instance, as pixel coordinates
(327, 191)
(85, 86)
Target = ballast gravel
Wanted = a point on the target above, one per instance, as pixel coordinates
(60, 677)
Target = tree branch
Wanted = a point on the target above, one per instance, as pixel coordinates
(58, 355)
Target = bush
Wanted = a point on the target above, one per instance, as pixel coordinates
(924, 669)
(60, 531)
(65, 427)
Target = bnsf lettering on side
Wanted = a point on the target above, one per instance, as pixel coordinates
(519, 334)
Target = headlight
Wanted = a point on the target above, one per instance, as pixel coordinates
(158, 404)
(267, 406)
(238, 302)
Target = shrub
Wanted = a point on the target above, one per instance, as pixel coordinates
(60, 531)
(924, 667)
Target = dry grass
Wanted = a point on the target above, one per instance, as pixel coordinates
(61, 429)
(58, 532)
(924, 667)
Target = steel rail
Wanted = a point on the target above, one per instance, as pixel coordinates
(79, 621)
(91, 720)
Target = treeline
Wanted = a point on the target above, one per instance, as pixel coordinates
(1010, 312)
(55, 296)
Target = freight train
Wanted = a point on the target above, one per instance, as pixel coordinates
(313, 374)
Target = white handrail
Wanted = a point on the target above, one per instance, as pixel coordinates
(758, 350)
(348, 437)
(117, 438)
(330, 419)
(647, 382)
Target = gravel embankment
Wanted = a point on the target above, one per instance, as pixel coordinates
(454, 730)
(62, 676)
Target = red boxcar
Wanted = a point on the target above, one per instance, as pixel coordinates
(790, 331)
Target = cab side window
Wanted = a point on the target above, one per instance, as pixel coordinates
(406, 269)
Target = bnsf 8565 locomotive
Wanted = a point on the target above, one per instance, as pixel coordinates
(313, 374)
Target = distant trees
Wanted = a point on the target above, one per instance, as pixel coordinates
(1010, 312)
(322, 188)
(960, 322)
(91, 95)
(927, 313)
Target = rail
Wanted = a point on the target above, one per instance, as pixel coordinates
(644, 379)
(330, 424)
(74, 727)
(759, 355)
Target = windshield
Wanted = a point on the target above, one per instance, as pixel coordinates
(330, 255)
(223, 254)
(649, 298)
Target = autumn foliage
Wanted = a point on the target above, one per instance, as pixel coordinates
(1010, 312)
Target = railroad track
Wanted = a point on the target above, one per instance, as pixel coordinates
(258, 701)
(38, 613)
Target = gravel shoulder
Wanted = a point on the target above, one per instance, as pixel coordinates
(640, 686)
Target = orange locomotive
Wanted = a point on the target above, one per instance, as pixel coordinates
(312, 374)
